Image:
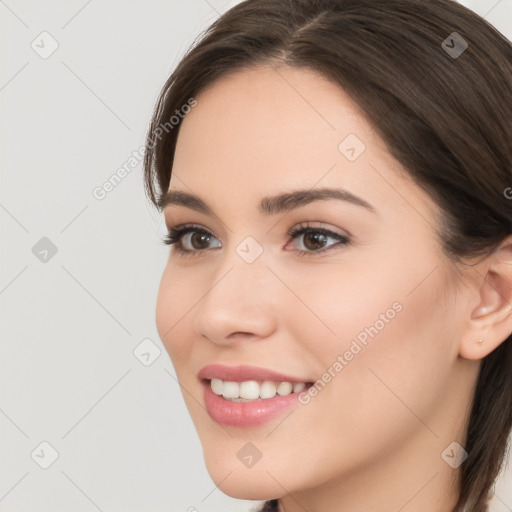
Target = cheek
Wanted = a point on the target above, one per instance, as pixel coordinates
(174, 309)
(336, 307)
(378, 342)
(396, 365)
(391, 384)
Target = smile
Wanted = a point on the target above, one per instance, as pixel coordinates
(245, 396)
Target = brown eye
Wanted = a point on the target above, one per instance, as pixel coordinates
(199, 240)
(189, 239)
(314, 240)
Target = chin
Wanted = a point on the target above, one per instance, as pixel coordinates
(246, 485)
(238, 481)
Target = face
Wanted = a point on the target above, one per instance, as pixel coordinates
(358, 306)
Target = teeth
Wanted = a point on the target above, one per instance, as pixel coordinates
(250, 390)
(284, 388)
(231, 390)
(217, 386)
(299, 386)
(267, 389)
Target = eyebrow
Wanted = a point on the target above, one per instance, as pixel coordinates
(268, 205)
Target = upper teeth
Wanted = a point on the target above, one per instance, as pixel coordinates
(252, 389)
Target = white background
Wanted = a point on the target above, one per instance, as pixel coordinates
(69, 377)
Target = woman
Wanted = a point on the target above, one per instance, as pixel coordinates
(336, 180)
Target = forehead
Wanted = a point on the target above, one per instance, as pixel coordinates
(279, 107)
(264, 130)
(268, 123)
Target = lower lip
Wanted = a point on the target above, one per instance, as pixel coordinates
(246, 414)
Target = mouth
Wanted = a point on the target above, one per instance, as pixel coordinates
(245, 396)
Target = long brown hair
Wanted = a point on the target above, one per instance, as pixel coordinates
(435, 81)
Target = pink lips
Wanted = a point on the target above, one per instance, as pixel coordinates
(245, 414)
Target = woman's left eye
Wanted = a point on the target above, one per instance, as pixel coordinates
(314, 239)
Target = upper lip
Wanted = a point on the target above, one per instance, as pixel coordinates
(243, 373)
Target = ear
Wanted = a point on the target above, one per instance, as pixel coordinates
(491, 320)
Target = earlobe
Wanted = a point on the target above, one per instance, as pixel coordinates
(490, 322)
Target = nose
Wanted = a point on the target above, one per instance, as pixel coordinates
(239, 302)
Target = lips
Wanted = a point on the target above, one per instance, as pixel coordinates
(227, 409)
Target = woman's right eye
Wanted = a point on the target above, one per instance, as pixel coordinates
(189, 235)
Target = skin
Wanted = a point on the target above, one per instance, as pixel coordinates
(372, 438)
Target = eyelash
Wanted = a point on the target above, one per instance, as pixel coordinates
(175, 235)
